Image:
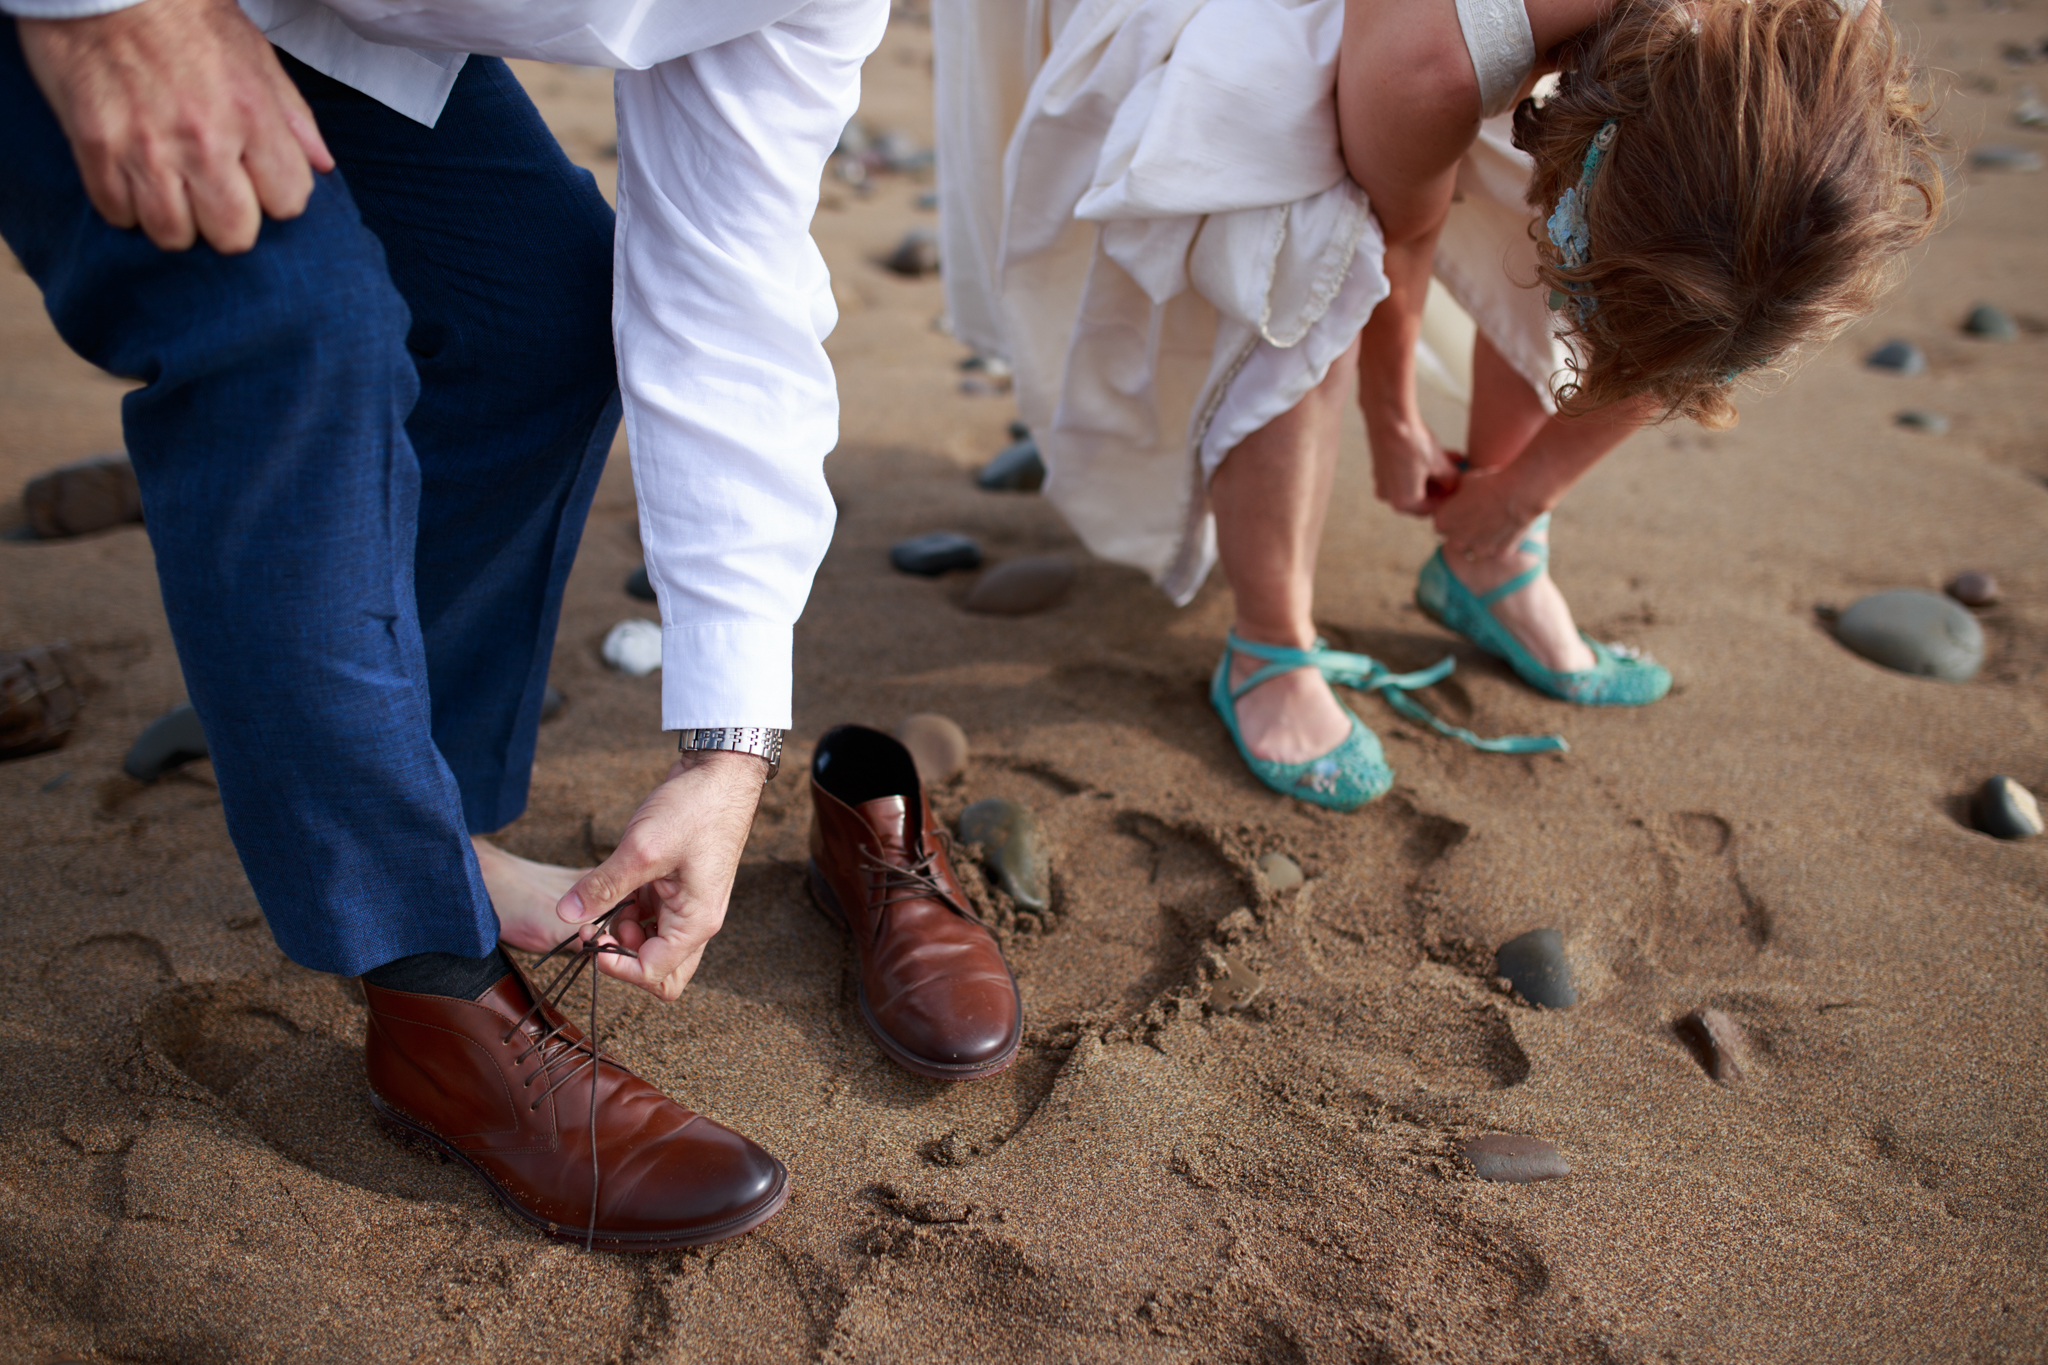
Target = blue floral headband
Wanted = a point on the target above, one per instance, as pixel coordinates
(1574, 240)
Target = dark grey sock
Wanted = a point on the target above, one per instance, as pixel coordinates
(465, 978)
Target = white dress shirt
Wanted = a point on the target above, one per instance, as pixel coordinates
(728, 110)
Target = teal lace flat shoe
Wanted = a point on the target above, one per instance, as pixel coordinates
(1620, 677)
(1356, 771)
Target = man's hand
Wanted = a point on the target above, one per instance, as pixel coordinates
(181, 118)
(679, 855)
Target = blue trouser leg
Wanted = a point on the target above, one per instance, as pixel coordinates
(365, 449)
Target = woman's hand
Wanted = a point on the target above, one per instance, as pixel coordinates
(1488, 516)
(1411, 470)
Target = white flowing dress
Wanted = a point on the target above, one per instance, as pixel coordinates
(1144, 209)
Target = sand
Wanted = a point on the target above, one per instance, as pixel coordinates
(190, 1172)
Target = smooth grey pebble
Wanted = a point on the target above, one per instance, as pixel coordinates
(1017, 469)
(1013, 848)
(172, 739)
(1019, 432)
(638, 585)
(1897, 356)
(934, 553)
(1280, 872)
(1021, 586)
(551, 704)
(2003, 156)
(1932, 422)
(2004, 809)
(1534, 962)
(1515, 1159)
(1922, 633)
(1991, 323)
(917, 254)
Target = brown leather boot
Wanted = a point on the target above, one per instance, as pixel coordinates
(503, 1084)
(934, 989)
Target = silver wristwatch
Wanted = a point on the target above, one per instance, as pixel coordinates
(738, 739)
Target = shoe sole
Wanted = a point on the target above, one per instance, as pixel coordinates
(828, 906)
(402, 1126)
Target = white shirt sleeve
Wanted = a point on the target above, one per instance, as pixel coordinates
(721, 307)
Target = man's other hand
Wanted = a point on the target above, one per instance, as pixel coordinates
(181, 118)
(678, 858)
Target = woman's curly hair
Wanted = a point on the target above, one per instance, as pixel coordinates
(1771, 161)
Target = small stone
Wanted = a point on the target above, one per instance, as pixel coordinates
(1534, 963)
(937, 745)
(2003, 156)
(172, 740)
(2004, 809)
(1515, 1159)
(1280, 872)
(1931, 422)
(639, 586)
(2028, 111)
(1019, 432)
(1716, 1041)
(1975, 588)
(634, 647)
(39, 703)
(1916, 632)
(1017, 469)
(1897, 356)
(90, 495)
(934, 553)
(1021, 586)
(551, 704)
(1992, 323)
(916, 255)
(1013, 849)
(1235, 987)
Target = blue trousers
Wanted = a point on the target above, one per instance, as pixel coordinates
(366, 450)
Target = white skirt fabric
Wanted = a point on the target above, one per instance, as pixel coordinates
(1144, 209)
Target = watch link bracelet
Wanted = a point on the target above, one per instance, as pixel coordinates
(738, 739)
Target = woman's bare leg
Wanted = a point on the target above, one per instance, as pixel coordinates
(1270, 495)
(1508, 425)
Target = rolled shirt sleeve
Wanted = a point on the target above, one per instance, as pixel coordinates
(721, 307)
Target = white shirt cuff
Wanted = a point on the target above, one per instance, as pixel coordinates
(727, 673)
(63, 9)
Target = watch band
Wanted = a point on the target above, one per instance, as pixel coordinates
(738, 739)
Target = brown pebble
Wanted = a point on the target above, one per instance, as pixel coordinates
(1021, 586)
(39, 700)
(937, 746)
(75, 499)
(1975, 589)
(1513, 1158)
(1716, 1041)
(1281, 872)
(1234, 989)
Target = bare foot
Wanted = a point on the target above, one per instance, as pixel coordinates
(1537, 615)
(1289, 719)
(524, 893)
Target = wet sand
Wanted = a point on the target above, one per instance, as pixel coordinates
(190, 1171)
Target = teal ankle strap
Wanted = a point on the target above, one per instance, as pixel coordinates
(1363, 673)
(1530, 546)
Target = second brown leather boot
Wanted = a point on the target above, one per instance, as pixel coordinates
(934, 989)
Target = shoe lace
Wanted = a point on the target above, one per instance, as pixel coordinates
(915, 880)
(563, 1058)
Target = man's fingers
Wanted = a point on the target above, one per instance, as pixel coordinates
(277, 169)
(605, 885)
(161, 209)
(299, 121)
(224, 202)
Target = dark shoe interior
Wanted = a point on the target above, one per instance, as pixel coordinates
(856, 764)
